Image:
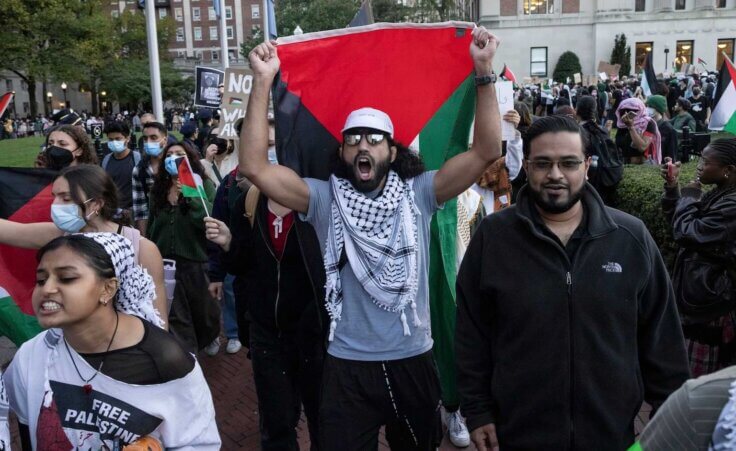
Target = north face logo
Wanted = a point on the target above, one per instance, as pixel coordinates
(612, 267)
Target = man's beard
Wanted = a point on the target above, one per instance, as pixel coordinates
(347, 171)
(554, 205)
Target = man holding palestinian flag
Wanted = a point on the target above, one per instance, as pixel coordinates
(372, 218)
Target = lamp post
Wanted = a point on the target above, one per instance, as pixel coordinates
(49, 102)
(63, 88)
(666, 53)
(103, 106)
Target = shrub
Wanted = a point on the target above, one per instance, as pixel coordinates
(639, 194)
(567, 65)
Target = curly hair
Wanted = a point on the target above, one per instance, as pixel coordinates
(88, 156)
(163, 180)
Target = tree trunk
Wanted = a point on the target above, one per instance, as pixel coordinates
(95, 97)
(46, 102)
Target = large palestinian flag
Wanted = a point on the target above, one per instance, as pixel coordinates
(422, 76)
(724, 110)
(25, 196)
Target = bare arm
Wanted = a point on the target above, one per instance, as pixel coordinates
(31, 236)
(640, 141)
(150, 258)
(461, 171)
(277, 182)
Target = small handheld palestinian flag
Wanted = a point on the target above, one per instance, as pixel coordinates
(724, 110)
(191, 183)
(507, 74)
(702, 61)
(5, 100)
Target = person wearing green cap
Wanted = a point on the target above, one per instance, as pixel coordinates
(657, 108)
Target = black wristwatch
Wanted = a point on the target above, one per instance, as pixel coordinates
(485, 79)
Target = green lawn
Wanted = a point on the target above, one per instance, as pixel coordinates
(21, 153)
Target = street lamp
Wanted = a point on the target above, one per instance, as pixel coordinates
(103, 102)
(298, 30)
(666, 52)
(49, 104)
(63, 88)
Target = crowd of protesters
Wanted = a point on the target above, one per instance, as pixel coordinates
(567, 318)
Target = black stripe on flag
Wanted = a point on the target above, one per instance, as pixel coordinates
(649, 79)
(20, 185)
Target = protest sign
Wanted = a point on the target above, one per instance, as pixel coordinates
(238, 83)
(611, 70)
(577, 77)
(207, 93)
(505, 97)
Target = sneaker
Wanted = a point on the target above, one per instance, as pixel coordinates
(233, 346)
(213, 348)
(456, 429)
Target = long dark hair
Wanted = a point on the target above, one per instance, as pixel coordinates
(724, 151)
(163, 180)
(93, 252)
(95, 183)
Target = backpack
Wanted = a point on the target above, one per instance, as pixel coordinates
(251, 202)
(610, 169)
(106, 160)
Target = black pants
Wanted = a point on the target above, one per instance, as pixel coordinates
(195, 315)
(359, 397)
(287, 373)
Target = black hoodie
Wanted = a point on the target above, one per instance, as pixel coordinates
(559, 353)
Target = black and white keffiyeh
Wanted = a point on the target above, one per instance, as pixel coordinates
(379, 238)
(136, 290)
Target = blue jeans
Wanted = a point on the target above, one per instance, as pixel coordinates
(229, 318)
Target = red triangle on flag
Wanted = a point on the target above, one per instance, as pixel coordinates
(5, 100)
(405, 70)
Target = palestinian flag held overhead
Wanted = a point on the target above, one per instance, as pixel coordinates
(724, 111)
(25, 196)
(5, 100)
(648, 77)
(507, 74)
(394, 68)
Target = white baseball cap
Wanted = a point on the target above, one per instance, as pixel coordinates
(369, 118)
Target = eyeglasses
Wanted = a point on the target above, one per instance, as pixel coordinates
(546, 165)
(353, 139)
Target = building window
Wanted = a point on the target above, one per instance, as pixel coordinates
(196, 13)
(539, 6)
(23, 85)
(178, 14)
(197, 33)
(640, 6)
(198, 54)
(679, 4)
(211, 12)
(538, 62)
(724, 46)
(162, 13)
(228, 12)
(26, 107)
(180, 53)
(9, 85)
(642, 50)
(115, 13)
(180, 35)
(229, 32)
(684, 53)
(213, 33)
(255, 11)
(720, 3)
(215, 55)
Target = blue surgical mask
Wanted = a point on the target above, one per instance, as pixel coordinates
(171, 166)
(152, 149)
(67, 217)
(116, 146)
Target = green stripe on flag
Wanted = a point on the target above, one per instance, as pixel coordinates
(731, 125)
(15, 324)
(446, 135)
(188, 191)
(636, 447)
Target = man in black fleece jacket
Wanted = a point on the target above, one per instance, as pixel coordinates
(566, 316)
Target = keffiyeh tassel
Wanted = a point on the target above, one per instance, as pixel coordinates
(417, 322)
(407, 332)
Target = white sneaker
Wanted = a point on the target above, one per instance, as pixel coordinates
(456, 429)
(233, 346)
(213, 348)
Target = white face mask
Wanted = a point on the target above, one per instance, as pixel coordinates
(651, 112)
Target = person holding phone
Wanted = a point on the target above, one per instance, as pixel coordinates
(638, 137)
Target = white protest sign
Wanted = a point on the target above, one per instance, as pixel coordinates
(238, 84)
(603, 76)
(505, 96)
(577, 77)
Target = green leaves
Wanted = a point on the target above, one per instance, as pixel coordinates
(567, 65)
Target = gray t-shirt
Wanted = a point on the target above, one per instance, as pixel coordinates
(365, 331)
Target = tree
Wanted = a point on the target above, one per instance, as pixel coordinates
(621, 54)
(128, 81)
(567, 66)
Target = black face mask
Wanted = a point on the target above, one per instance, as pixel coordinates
(58, 157)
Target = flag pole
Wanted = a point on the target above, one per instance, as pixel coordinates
(266, 34)
(158, 109)
(224, 52)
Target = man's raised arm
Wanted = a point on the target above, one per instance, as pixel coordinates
(461, 171)
(277, 182)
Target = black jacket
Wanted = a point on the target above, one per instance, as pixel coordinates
(286, 295)
(559, 354)
(704, 277)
